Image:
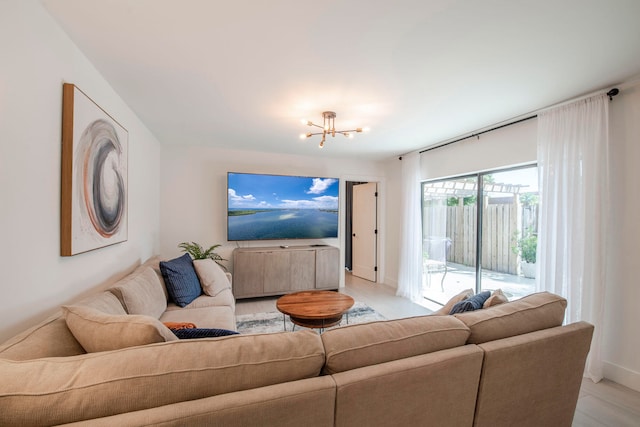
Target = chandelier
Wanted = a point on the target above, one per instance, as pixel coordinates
(328, 128)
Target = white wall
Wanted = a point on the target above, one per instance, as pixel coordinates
(393, 224)
(508, 146)
(37, 57)
(194, 192)
(622, 316)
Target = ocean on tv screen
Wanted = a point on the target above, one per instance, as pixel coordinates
(273, 224)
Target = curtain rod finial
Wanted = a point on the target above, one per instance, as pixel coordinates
(613, 92)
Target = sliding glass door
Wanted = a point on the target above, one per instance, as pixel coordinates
(478, 231)
(449, 212)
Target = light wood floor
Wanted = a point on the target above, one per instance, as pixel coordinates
(603, 404)
(379, 297)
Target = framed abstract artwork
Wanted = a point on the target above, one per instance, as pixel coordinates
(94, 176)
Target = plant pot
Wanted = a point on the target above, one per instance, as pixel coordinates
(528, 269)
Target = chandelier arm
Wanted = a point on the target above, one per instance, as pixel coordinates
(328, 128)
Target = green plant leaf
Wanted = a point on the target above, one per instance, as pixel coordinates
(527, 246)
(198, 252)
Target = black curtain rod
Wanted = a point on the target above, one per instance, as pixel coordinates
(613, 92)
(477, 135)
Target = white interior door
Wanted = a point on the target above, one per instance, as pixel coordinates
(364, 231)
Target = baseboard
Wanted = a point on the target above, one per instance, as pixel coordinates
(623, 376)
(391, 281)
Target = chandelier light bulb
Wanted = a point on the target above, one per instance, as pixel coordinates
(328, 127)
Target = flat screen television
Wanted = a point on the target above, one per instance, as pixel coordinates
(280, 207)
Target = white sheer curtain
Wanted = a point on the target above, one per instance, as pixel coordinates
(573, 159)
(410, 273)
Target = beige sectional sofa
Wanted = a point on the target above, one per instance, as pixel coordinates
(511, 364)
(141, 293)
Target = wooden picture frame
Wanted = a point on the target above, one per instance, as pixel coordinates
(94, 181)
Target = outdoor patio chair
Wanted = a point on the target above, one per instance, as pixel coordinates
(436, 250)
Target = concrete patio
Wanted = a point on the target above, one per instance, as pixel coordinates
(460, 277)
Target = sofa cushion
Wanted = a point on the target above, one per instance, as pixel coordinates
(52, 337)
(154, 263)
(467, 293)
(98, 331)
(212, 277)
(436, 389)
(365, 344)
(534, 312)
(181, 280)
(497, 297)
(218, 317)
(472, 303)
(223, 298)
(534, 379)
(141, 292)
(57, 391)
(105, 302)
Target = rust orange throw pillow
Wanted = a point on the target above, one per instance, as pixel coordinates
(179, 325)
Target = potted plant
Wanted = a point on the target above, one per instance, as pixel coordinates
(526, 247)
(198, 252)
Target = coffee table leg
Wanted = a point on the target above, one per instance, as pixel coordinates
(284, 323)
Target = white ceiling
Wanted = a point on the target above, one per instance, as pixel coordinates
(241, 74)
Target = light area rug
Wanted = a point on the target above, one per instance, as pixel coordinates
(272, 321)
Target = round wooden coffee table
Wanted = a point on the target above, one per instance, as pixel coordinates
(315, 309)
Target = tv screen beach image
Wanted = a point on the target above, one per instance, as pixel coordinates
(273, 207)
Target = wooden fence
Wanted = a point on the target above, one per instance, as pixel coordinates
(502, 224)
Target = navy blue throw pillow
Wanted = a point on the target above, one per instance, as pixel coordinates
(186, 334)
(181, 280)
(470, 304)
